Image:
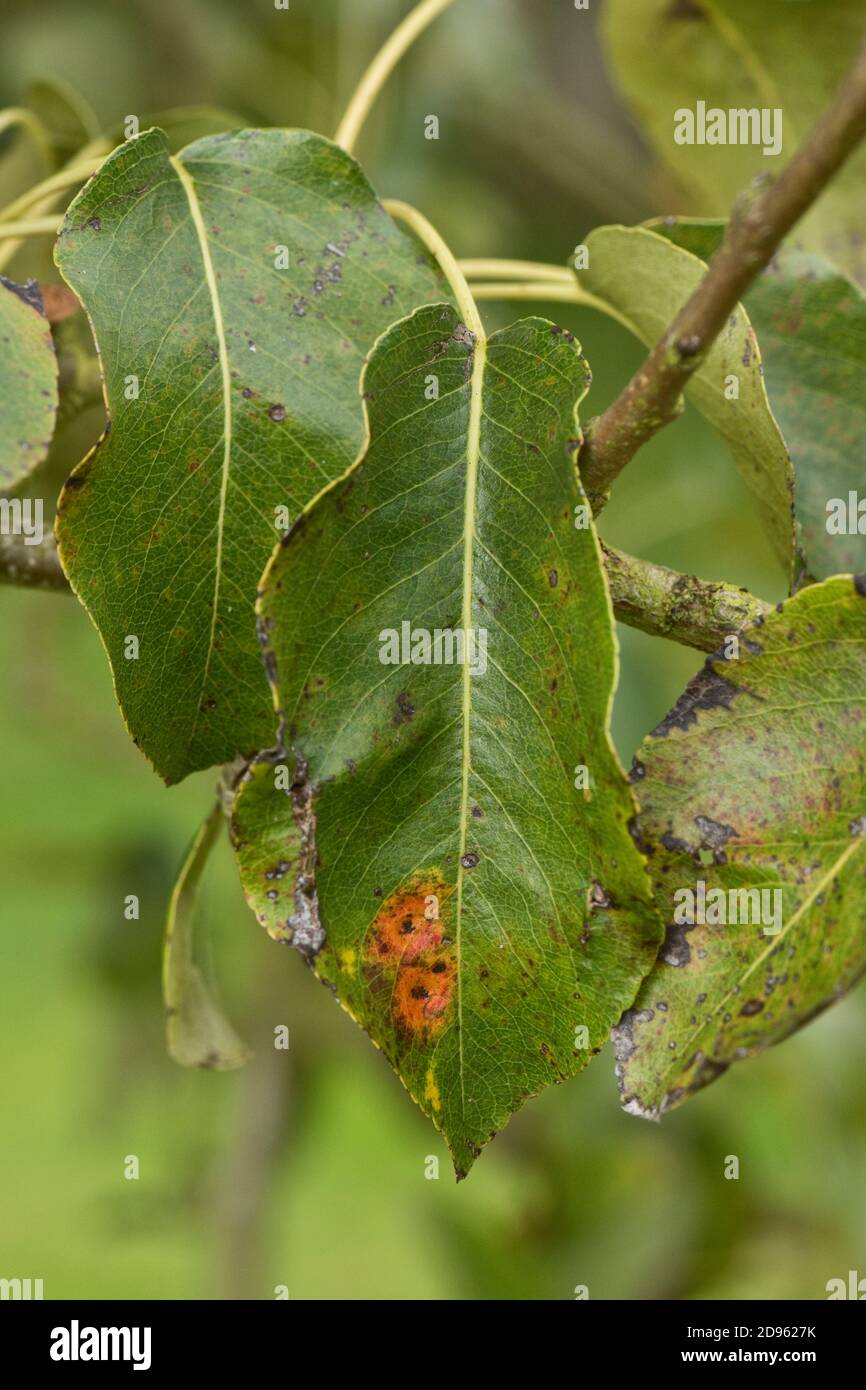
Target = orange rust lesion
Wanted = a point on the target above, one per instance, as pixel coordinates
(409, 941)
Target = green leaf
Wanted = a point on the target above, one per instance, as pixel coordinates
(66, 115)
(28, 381)
(247, 380)
(811, 324)
(647, 280)
(269, 846)
(431, 856)
(667, 55)
(198, 1033)
(754, 781)
(182, 125)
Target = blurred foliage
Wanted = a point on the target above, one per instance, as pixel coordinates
(308, 1168)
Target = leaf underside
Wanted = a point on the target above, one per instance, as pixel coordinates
(247, 401)
(28, 382)
(433, 859)
(755, 780)
(198, 1033)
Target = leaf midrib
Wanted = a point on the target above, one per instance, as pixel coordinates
(830, 877)
(188, 187)
(468, 309)
(473, 453)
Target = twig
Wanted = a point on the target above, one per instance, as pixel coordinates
(381, 68)
(680, 607)
(758, 224)
(650, 597)
(31, 566)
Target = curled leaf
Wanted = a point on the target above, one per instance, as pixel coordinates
(198, 1034)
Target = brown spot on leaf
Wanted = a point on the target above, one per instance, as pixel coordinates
(59, 302)
(407, 942)
(705, 691)
(752, 1006)
(404, 710)
(714, 833)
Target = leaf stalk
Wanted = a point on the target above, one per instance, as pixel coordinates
(382, 66)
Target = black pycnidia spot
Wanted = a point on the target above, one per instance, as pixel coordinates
(753, 1006)
(469, 861)
(277, 412)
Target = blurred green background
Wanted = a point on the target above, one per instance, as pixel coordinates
(307, 1169)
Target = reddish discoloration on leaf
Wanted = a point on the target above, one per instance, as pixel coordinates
(473, 998)
(409, 939)
(421, 998)
(59, 302)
